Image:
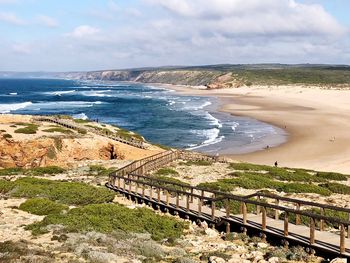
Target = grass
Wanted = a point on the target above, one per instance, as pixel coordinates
(99, 170)
(81, 121)
(197, 163)
(166, 171)
(11, 171)
(337, 188)
(7, 136)
(58, 129)
(106, 218)
(42, 206)
(332, 176)
(260, 181)
(28, 129)
(69, 193)
(128, 135)
(170, 182)
(48, 170)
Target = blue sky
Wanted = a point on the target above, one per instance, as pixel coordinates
(79, 35)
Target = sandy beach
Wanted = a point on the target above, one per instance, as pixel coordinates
(317, 122)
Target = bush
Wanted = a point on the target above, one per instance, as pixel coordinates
(11, 171)
(332, 176)
(7, 136)
(28, 129)
(106, 218)
(82, 131)
(58, 129)
(303, 188)
(81, 121)
(64, 192)
(197, 163)
(38, 171)
(249, 167)
(166, 171)
(42, 206)
(337, 188)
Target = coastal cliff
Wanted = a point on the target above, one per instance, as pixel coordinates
(26, 143)
(226, 76)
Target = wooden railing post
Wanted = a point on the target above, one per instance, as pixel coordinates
(187, 202)
(297, 216)
(286, 214)
(213, 210)
(244, 212)
(312, 231)
(258, 206)
(177, 200)
(322, 221)
(342, 239)
(119, 182)
(143, 190)
(167, 196)
(227, 207)
(263, 218)
(277, 201)
(158, 194)
(200, 206)
(191, 194)
(151, 192)
(348, 228)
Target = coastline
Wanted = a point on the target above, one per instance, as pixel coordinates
(316, 121)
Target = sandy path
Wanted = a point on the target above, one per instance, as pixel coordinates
(317, 121)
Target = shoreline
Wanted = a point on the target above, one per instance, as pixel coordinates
(315, 119)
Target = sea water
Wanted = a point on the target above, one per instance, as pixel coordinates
(160, 115)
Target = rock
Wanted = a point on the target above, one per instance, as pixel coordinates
(274, 260)
(262, 245)
(204, 225)
(339, 260)
(211, 232)
(214, 259)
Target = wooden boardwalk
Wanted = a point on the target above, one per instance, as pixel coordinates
(69, 124)
(214, 207)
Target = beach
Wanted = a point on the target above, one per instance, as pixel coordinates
(315, 119)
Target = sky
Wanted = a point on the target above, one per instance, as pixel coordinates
(80, 35)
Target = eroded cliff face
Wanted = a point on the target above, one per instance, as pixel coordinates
(55, 151)
(211, 79)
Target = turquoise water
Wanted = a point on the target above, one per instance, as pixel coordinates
(160, 115)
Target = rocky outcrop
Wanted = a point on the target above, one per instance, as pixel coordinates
(55, 151)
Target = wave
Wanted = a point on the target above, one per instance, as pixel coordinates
(212, 137)
(7, 108)
(13, 93)
(196, 107)
(59, 92)
(96, 93)
(213, 121)
(54, 105)
(234, 125)
(81, 116)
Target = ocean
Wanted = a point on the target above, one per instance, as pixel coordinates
(160, 115)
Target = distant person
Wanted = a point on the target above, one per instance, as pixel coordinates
(276, 164)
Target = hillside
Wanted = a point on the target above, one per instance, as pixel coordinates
(227, 76)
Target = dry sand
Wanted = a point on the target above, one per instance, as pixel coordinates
(317, 121)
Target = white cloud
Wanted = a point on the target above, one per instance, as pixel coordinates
(11, 18)
(268, 17)
(84, 31)
(47, 21)
(22, 48)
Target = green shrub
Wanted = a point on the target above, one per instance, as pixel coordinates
(2, 130)
(106, 218)
(7, 136)
(332, 176)
(82, 131)
(11, 171)
(6, 186)
(28, 129)
(69, 193)
(197, 163)
(58, 129)
(167, 171)
(337, 188)
(42, 206)
(38, 171)
(81, 121)
(303, 188)
(249, 167)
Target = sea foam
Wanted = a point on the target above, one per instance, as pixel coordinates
(7, 108)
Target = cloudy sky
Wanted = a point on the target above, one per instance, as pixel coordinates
(69, 35)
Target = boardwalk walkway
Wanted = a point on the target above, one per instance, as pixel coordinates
(214, 207)
(71, 125)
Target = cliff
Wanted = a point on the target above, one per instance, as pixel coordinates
(44, 144)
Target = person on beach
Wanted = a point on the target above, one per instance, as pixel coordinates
(276, 164)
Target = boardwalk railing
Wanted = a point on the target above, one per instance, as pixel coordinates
(70, 125)
(217, 207)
